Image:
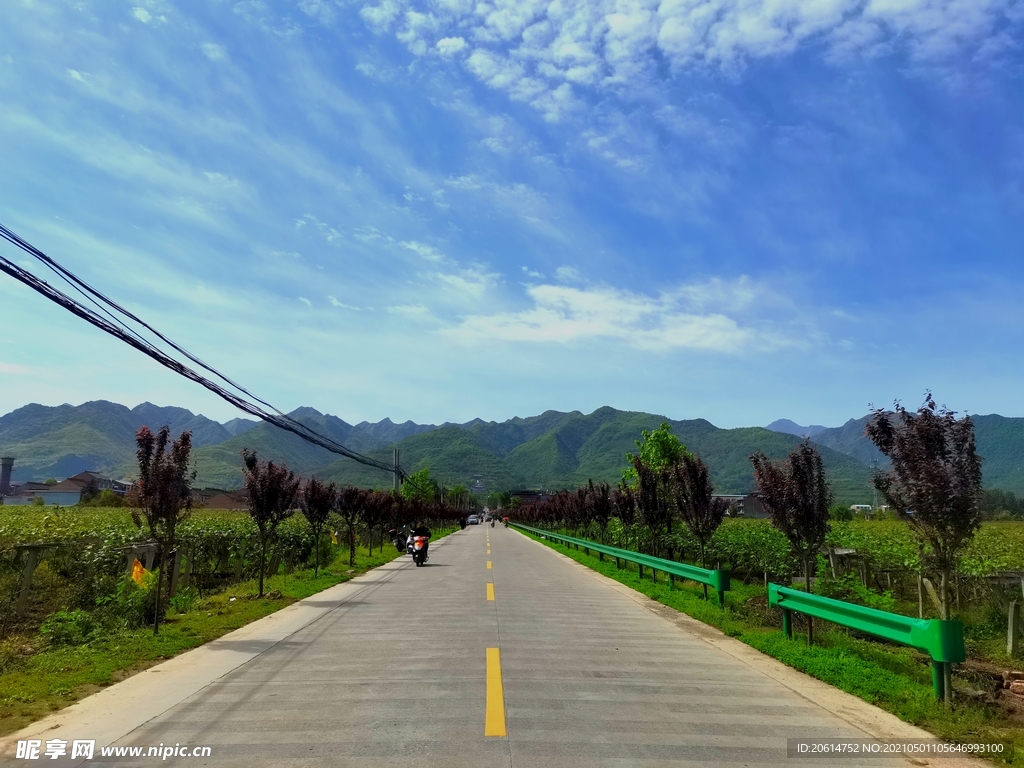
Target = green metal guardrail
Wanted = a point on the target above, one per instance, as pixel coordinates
(942, 640)
(717, 579)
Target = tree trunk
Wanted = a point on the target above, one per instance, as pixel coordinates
(947, 668)
(316, 559)
(263, 560)
(352, 545)
(702, 565)
(159, 589)
(807, 580)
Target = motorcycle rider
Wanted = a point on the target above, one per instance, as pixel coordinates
(422, 530)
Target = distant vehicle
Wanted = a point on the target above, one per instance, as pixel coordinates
(473, 520)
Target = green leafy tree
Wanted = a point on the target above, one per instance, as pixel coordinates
(419, 485)
(797, 495)
(458, 496)
(161, 499)
(658, 450)
(840, 512)
(1001, 505)
(272, 490)
(318, 501)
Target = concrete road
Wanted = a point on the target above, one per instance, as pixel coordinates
(498, 652)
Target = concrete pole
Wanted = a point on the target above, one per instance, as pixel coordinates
(398, 480)
(1013, 630)
(31, 560)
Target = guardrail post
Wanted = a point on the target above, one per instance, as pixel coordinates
(640, 568)
(787, 623)
(671, 581)
(939, 679)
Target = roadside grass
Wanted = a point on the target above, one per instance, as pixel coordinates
(894, 678)
(32, 686)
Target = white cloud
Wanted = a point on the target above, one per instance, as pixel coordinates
(142, 15)
(342, 305)
(220, 180)
(686, 318)
(213, 51)
(531, 273)
(317, 9)
(428, 252)
(536, 51)
(568, 275)
(409, 309)
(449, 46)
(305, 301)
(470, 283)
(14, 369)
(76, 75)
(496, 145)
(380, 16)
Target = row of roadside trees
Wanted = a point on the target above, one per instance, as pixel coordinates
(934, 484)
(161, 500)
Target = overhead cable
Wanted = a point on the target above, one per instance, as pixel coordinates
(120, 330)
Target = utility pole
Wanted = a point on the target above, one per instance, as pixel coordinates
(398, 479)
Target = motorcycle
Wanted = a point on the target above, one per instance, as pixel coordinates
(400, 539)
(418, 549)
(505, 522)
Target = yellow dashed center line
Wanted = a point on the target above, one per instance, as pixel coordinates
(488, 565)
(494, 719)
(490, 590)
(488, 551)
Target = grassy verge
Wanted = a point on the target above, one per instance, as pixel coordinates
(47, 680)
(893, 678)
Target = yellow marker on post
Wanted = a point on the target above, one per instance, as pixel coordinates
(494, 717)
(490, 590)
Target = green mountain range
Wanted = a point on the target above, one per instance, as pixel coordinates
(553, 450)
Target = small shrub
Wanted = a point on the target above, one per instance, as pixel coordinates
(849, 588)
(131, 605)
(105, 498)
(327, 552)
(185, 600)
(68, 628)
(840, 512)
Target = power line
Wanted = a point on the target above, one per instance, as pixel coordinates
(120, 330)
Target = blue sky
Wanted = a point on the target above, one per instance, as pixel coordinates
(732, 209)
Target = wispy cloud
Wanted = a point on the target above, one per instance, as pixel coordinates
(213, 51)
(541, 53)
(14, 369)
(694, 317)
